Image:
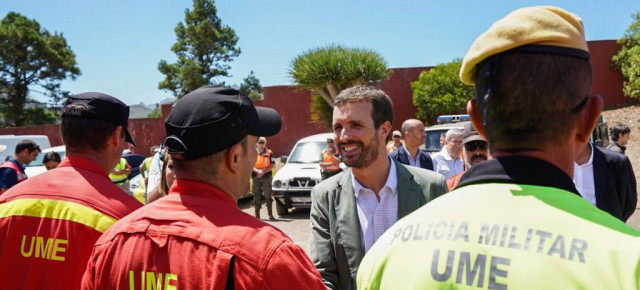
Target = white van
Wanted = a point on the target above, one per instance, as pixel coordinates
(292, 184)
(10, 141)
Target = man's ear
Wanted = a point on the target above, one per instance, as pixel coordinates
(588, 117)
(385, 129)
(233, 157)
(476, 117)
(115, 139)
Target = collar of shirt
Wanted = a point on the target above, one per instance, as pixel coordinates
(415, 160)
(519, 170)
(391, 183)
(84, 163)
(589, 162)
(201, 189)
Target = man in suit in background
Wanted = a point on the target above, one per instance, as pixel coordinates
(410, 153)
(352, 209)
(606, 180)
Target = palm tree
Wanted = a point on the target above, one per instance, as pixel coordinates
(326, 71)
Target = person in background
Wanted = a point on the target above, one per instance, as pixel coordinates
(517, 221)
(620, 136)
(146, 164)
(119, 175)
(474, 150)
(50, 222)
(448, 161)
(261, 178)
(329, 160)
(196, 237)
(51, 160)
(166, 180)
(410, 153)
(606, 180)
(443, 139)
(396, 137)
(155, 170)
(12, 170)
(351, 210)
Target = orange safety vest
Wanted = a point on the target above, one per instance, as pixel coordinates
(329, 157)
(21, 176)
(264, 160)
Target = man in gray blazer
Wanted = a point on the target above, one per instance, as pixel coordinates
(351, 210)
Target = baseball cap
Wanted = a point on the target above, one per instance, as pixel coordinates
(469, 134)
(262, 140)
(99, 106)
(396, 133)
(211, 119)
(541, 29)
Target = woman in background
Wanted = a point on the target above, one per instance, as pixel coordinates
(51, 160)
(166, 180)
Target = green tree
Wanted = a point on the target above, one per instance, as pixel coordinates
(31, 57)
(627, 60)
(251, 87)
(156, 113)
(326, 71)
(204, 48)
(440, 91)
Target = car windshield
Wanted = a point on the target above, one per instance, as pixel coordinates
(432, 141)
(38, 161)
(307, 152)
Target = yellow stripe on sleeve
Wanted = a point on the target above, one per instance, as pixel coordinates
(57, 209)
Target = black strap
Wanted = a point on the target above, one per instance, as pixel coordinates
(230, 280)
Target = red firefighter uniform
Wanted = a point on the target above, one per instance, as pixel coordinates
(49, 223)
(197, 238)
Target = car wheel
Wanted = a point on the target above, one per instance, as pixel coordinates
(281, 209)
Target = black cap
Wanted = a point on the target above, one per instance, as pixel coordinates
(99, 106)
(469, 134)
(211, 119)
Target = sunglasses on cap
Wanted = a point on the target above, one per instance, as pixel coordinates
(260, 142)
(473, 145)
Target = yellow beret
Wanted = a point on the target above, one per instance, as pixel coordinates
(542, 25)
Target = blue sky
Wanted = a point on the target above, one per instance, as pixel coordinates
(118, 43)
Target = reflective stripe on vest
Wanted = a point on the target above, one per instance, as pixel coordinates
(57, 209)
(119, 178)
(264, 160)
(21, 176)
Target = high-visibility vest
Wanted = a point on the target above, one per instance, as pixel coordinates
(119, 178)
(329, 157)
(511, 236)
(21, 175)
(147, 165)
(264, 160)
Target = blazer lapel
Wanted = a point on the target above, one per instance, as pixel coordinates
(347, 221)
(408, 191)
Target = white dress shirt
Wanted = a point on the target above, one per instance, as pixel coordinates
(414, 161)
(583, 179)
(444, 164)
(376, 217)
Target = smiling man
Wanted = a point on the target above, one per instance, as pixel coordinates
(352, 209)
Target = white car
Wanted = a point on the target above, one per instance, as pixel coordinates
(36, 167)
(292, 184)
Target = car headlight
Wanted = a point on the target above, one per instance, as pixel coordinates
(277, 184)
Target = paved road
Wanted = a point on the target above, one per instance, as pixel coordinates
(295, 224)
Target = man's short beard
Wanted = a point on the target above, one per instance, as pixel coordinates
(369, 153)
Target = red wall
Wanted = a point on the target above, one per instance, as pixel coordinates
(294, 105)
(606, 81)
